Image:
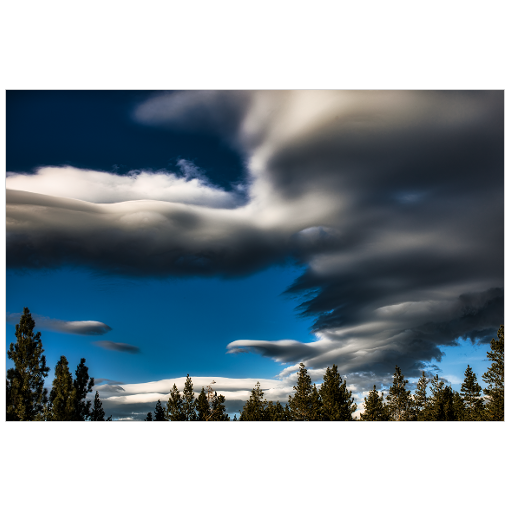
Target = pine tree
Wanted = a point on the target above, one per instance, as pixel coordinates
(441, 403)
(300, 405)
(458, 407)
(315, 405)
(420, 397)
(375, 410)
(255, 409)
(83, 385)
(471, 394)
(202, 406)
(63, 393)
(174, 410)
(26, 393)
(159, 414)
(218, 410)
(495, 379)
(277, 412)
(188, 401)
(97, 413)
(337, 401)
(148, 417)
(399, 399)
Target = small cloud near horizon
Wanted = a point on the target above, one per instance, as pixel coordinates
(118, 346)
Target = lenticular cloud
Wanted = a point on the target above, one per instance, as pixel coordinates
(91, 328)
(106, 188)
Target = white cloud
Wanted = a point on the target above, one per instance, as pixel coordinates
(106, 188)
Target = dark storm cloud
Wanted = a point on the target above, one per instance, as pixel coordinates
(118, 346)
(392, 200)
(92, 328)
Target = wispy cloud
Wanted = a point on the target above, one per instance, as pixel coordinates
(118, 346)
(91, 328)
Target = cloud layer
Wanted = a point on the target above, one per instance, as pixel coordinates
(392, 200)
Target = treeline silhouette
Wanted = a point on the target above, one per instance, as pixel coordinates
(26, 397)
(28, 400)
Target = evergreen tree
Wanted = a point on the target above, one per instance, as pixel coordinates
(97, 413)
(188, 401)
(495, 379)
(159, 414)
(26, 393)
(420, 397)
(174, 410)
(399, 401)
(277, 412)
(202, 406)
(458, 407)
(83, 384)
(11, 416)
(255, 409)
(218, 410)
(375, 410)
(148, 417)
(441, 404)
(300, 405)
(315, 405)
(63, 393)
(337, 402)
(471, 394)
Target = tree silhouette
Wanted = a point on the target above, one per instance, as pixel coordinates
(26, 395)
(495, 379)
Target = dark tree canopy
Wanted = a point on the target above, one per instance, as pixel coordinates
(202, 406)
(495, 379)
(337, 401)
(83, 384)
(174, 408)
(300, 405)
(97, 412)
(26, 396)
(255, 408)
(399, 401)
(159, 413)
(471, 394)
(375, 410)
(63, 393)
(188, 401)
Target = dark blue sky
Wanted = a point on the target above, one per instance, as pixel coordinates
(234, 234)
(94, 129)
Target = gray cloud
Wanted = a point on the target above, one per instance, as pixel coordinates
(91, 328)
(118, 346)
(392, 200)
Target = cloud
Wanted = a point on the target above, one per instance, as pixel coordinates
(391, 200)
(396, 334)
(106, 188)
(118, 346)
(91, 328)
(136, 400)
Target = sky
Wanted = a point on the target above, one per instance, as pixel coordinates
(231, 235)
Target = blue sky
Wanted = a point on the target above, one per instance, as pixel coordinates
(231, 235)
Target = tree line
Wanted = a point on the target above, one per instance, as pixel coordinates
(334, 402)
(28, 400)
(26, 397)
